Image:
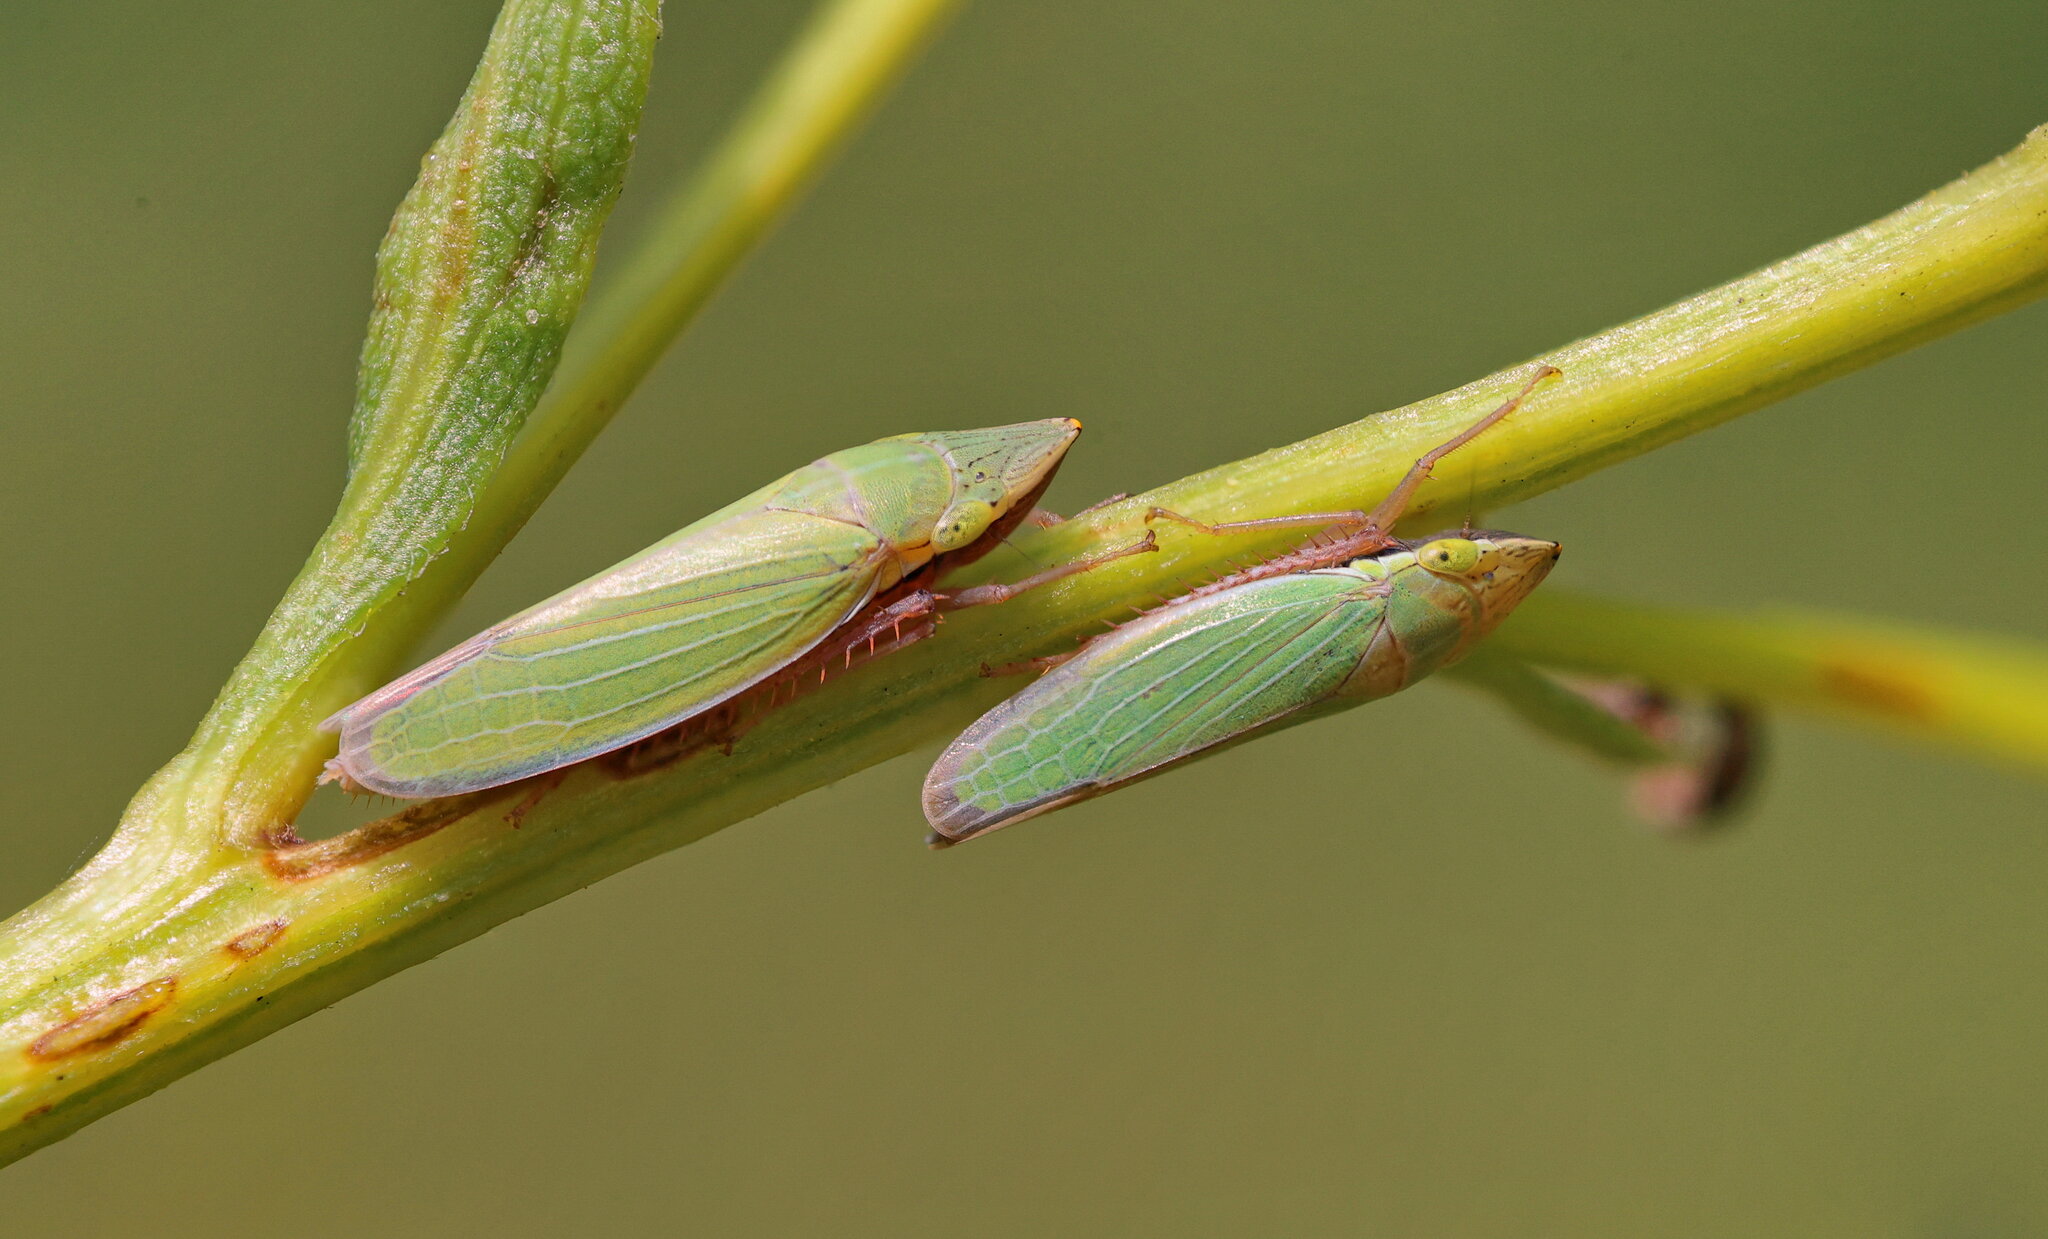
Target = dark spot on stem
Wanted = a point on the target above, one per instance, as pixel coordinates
(537, 226)
(106, 1023)
(455, 244)
(298, 862)
(1877, 688)
(255, 940)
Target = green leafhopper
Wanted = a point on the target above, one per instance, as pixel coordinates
(1350, 616)
(832, 560)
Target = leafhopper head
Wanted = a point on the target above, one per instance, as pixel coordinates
(998, 474)
(1498, 569)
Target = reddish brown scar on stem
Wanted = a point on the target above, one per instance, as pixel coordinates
(106, 1023)
(1879, 689)
(301, 861)
(255, 940)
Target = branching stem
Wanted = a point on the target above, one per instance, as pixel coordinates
(204, 925)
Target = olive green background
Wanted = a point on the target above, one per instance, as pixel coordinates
(1407, 972)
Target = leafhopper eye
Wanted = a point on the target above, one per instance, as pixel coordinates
(966, 521)
(1450, 555)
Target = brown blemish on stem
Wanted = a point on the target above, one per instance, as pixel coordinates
(455, 242)
(535, 237)
(301, 861)
(105, 1024)
(255, 940)
(1878, 689)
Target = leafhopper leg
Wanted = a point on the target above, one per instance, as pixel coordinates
(883, 629)
(1029, 666)
(537, 791)
(1344, 536)
(1042, 519)
(1303, 520)
(984, 595)
(1396, 503)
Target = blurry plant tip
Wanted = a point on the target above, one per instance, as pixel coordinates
(1715, 747)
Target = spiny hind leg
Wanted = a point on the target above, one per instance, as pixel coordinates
(884, 629)
(902, 623)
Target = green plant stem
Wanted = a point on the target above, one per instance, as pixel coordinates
(1977, 694)
(479, 278)
(482, 271)
(839, 67)
(90, 1019)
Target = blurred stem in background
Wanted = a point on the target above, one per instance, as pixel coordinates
(206, 923)
(1978, 695)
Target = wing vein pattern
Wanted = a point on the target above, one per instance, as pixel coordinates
(585, 673)
(1153, 692)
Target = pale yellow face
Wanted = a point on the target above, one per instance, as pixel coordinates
(1499, 568)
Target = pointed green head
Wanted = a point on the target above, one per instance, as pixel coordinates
(1444, 594)
(1496, 569)
(996, 473)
